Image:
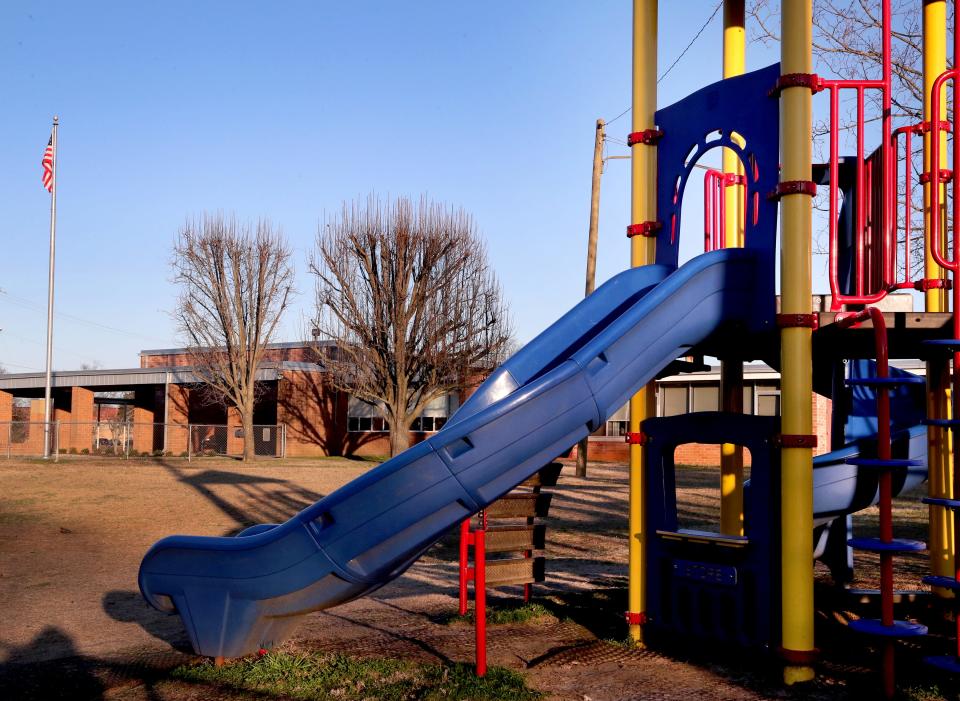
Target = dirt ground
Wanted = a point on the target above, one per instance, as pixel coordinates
(75, 626)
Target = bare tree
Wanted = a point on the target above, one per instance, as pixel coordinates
(407, 294)
(235, 283)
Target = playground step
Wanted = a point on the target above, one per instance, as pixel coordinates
(897, 545)
(938, 501)
(900, 596)
(945, 663)
(940, 581)
(504, 539)
(883, 464)
(899, 629)
(705, 538)
(885, 381)
(945, 343)
(517, 570)
(944, 423)
(520, 506)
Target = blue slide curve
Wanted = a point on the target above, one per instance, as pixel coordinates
(238, 594)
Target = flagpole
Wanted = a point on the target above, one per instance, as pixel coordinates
(53, 249)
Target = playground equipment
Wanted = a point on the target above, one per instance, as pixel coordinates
(236, 595)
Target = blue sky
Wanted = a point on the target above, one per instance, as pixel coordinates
(285, 110)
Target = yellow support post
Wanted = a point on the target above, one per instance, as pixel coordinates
(796, 351)
(643, 207)
(940, 458)
(731, 369)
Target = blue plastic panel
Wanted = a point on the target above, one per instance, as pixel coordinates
(897, 545)
(940, 581)
(945, 663)
(899, 629)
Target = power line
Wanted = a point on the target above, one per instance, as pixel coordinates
(692, 41)
(682, 54)
(30, 304)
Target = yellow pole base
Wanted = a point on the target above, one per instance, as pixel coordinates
(797, 674)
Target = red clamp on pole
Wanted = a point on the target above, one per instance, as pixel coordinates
(797, 80)
(730, 179)
(792, 321)
(648, 136)
(647, 228)
(636, 619)
(946, 175)
(925, 126)
(795, 440)
(932, 283)
(636, 438)
(793, 187)
(798, 657)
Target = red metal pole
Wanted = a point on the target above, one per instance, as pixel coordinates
(464, 564)
(707, 210)
(889, 221)
(480, 595)
(834, 198)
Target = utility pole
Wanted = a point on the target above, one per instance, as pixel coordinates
(592, 254)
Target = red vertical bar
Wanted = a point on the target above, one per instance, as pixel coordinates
(721, 232)
(464, 564)
(834, 197)
(707, 211)
(480, 595)
(888, 221)
(860, 218)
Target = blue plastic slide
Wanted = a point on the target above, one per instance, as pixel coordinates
(238, 594)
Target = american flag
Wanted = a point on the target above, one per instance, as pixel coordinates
(47, 163)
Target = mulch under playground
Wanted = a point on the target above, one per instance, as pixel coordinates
(75, 626)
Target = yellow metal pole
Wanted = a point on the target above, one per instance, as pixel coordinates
(940, 457)
(796, 352)
(731, 369)
(643, 207)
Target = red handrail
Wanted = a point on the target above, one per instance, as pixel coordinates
(936, 176)
(884, 452)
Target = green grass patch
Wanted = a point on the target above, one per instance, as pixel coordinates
(928, 693)
(317, 675)
(519, 613)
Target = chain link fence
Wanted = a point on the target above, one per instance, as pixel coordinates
(123, 439)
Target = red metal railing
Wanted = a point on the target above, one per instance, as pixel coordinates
(875, 237)
(885, 501)
(715, 184)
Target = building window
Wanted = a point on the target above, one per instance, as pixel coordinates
(706, 397)
(674, 400)
(367, 424)
(435, 414)
(367, 418)
(428, 424)
(363, 417)
(617, 428)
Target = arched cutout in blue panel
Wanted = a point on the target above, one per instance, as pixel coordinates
(740, 105)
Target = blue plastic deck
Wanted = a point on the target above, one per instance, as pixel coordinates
(899, 629)
(945, 343)
(944, 423)
(940, 501)
(945, 663)
(884, 381)
(884, 464)
(897, 545)
(935, 580)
